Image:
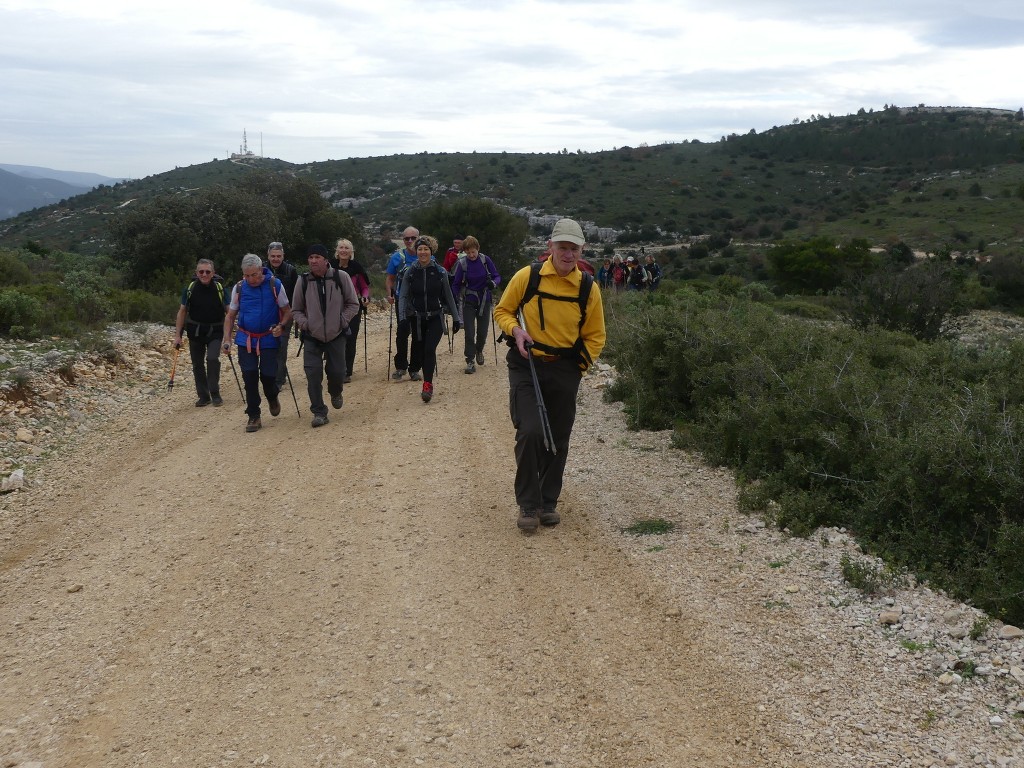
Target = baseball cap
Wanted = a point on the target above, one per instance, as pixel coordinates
(569, 231)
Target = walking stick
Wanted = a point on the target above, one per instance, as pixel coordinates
(391, 326)
(174, 367)
(494, 338)
(235, 371)
(545, 423)
(366, 365)
(288, 376)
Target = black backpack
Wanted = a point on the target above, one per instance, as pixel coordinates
(578, 351)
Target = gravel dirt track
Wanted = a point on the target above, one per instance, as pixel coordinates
(181, 593)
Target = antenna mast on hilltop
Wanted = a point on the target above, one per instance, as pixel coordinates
(244, 149)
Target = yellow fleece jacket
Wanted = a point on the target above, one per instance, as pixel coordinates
(561, 318)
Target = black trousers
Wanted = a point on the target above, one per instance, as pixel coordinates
(205, 354)
(401, 342)
(426, 335)
(538, 482)
(350, 344)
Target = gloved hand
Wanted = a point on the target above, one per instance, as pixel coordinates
(491, 284)
(456, 326)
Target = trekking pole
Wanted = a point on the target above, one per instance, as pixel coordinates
(174, 367)
(545, 423)
(235, 371)
(494, 338)
(366, 365)
(391, 325)
(288, 376)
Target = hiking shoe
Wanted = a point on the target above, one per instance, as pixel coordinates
(218, 401)
(550, 517)
(479, 358)
(414, 376)
(470, 368)
(275, 406)
(336, 401)
(202, 401)
(527, 522)
(319, 421)
(348, 378)
(399, 373)
(428, 391)
(254, 424)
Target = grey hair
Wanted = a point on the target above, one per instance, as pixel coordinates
(251, 260)
(275, 246)
(204, 261)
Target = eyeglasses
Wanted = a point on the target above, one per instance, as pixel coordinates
(204, 271)
(275, 246)
(408, 239)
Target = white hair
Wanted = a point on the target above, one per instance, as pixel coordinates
(251, 260)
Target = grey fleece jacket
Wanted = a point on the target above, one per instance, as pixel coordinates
(341, 305)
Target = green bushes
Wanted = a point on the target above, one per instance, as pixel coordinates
(915, 447)
(19, 314)
(70, 295)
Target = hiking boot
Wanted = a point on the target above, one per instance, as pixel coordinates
(550, 517)
(275, 406)
(470, 368)
(202, 401)
(254, 424)
(479, 358)
(348, 378)
(527, 522)
(218, 401)
(414, 376)
(398, 374)
(336, 401)
(319, 421)
(428, 391)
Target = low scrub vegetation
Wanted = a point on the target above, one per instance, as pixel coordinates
(56, 293)
(915, 446)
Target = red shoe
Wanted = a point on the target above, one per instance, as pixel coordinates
(428, 391)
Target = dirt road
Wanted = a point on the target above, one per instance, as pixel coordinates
(182, 593)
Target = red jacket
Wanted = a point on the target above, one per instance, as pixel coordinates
(451, 256)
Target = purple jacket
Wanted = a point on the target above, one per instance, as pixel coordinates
(470, 279)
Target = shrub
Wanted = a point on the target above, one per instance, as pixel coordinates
(13, 271)
(20, 314)
(919, 447)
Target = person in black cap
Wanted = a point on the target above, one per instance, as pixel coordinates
(325, 303)
(451, 256)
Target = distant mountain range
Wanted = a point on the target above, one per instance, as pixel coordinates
(24, 187)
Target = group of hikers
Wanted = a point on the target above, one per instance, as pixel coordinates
(550, 314)
(630, 274)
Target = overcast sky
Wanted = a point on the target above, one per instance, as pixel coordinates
(128, 89)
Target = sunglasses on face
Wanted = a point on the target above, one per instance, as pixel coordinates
(204, 271)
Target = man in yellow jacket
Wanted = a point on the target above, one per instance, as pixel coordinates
(553, 312)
